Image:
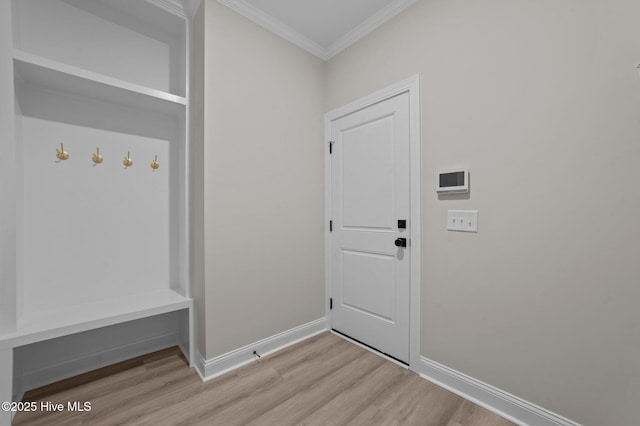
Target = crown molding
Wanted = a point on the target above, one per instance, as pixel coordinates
(373, 22)
(270, 23)
(171, 6)
(267, 21)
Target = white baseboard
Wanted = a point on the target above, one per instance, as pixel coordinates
(198, 365)
(493, 399)
(504, 404)
(214, 367)
(54, 372)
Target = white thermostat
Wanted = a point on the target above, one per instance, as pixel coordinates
(453, 181)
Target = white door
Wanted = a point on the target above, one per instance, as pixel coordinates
(370, 194)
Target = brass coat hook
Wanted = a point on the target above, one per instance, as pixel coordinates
(128, 162)
(97, 158)
(155, 164)
(62, 154)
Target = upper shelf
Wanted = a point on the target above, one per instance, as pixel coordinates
(138, 41)
(50, 74)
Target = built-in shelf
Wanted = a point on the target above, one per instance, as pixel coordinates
(89, 316)
(113, 75)
(49, 74)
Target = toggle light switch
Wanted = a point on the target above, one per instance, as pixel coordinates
(462, 220)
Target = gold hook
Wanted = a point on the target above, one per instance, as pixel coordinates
(62, 154)
(97, 158)
(155, 164)
(128, 162)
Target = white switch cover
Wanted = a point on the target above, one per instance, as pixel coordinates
(462, 220)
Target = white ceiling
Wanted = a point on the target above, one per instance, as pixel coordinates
(323, 27)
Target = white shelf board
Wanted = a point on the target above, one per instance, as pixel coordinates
(75, 319)
(57, 76)
(168, 15)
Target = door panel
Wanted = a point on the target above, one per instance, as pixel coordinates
(367, 175)
(369, 192)
(367, 283)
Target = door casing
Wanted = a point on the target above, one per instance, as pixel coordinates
(412, 86)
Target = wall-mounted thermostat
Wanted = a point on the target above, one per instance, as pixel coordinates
(453, 181)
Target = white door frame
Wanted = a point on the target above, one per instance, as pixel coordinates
(412, 86)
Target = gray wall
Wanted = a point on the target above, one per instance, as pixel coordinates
(541, 100)
(261, 189)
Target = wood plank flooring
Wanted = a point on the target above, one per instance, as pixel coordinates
(324, 380)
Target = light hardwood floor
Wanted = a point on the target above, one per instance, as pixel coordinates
(324, 380)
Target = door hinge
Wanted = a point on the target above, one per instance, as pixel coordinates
(330, 303)
(330, 147)
(330, 226)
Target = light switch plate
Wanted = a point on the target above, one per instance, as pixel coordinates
(462, 220)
